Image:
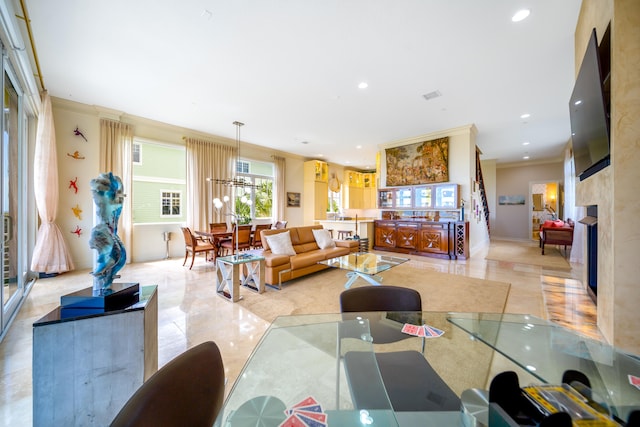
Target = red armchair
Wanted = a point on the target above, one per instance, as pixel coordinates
(556, 233)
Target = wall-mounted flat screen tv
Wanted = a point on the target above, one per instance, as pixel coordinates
(589, 114)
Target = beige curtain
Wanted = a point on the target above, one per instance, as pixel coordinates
(279, 195)
(116, 145)
(50, 254)
(207, 161)
(570, 209)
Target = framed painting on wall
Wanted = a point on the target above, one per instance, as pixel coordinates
(420, 163)
(293, 200)
(511, 200)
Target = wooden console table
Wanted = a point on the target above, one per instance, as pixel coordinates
(446, 239)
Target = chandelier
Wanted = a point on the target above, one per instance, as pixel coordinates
(234, 181)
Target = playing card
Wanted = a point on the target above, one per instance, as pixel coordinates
(318, 416)
(308, 421)
(309, 401)
(312, 408)
(431, 332)
(292, 421)
(410, 329)
(634, 381)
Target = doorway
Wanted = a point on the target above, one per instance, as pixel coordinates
(545, 204)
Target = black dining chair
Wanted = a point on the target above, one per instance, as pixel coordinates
(187, 391)
(410, 382)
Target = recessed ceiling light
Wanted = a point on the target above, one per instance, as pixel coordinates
(520, 15)
(431, 95)
(363, 85)
(526, 143)
(206, 14)
(320, 155)
(578, 102)
(525, 157)
(525, 116)
(358, 146)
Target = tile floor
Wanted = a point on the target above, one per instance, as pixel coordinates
(190, 312)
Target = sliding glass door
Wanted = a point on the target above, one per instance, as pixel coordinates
(13, 271)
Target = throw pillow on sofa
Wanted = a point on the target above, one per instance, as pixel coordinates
(280, 244)
(323, 238)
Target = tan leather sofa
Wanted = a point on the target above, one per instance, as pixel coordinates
(281, 268)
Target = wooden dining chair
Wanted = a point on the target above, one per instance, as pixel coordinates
(193, 245)
(410, 382)
(217, 227)
(256, 238)
(243, 236)
(187, 391)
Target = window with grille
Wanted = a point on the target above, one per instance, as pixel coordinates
(242, 166)
(136, 155)
(171, 203)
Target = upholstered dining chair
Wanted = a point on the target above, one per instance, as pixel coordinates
(280, 224)
(194, 245)
(256, 238)
(410, 381)
(243, 236)
(187, 391)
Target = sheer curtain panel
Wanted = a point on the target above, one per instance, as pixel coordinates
(571, 210)
(50, 254)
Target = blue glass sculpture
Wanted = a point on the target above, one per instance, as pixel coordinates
(108, 195)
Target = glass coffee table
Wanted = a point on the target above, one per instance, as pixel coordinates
(365, 265)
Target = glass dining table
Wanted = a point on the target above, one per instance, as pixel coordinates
(296, 374)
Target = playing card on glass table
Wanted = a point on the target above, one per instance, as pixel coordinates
(424, 331)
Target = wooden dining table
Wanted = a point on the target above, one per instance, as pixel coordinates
(216, 238)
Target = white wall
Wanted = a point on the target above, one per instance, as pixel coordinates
(512, 221)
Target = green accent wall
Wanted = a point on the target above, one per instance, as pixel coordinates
(162, 168)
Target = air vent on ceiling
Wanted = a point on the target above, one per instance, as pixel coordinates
(431, 95)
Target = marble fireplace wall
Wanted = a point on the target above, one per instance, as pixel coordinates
(613, 189)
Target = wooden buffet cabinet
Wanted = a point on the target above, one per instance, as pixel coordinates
(442, 239)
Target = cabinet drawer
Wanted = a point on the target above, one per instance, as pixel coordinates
(434, 240)
(385, 236)
(407, 236)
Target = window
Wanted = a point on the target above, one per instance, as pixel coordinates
(335, 204)
(242, 166)
(171, 203)
(259, 192)
(136, 155)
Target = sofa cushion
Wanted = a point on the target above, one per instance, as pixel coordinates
(323, 239)
(272, 260)
(305, 234)
(280, 244)
(335, 252)
(306, 259)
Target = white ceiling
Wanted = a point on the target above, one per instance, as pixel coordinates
(290, 69)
